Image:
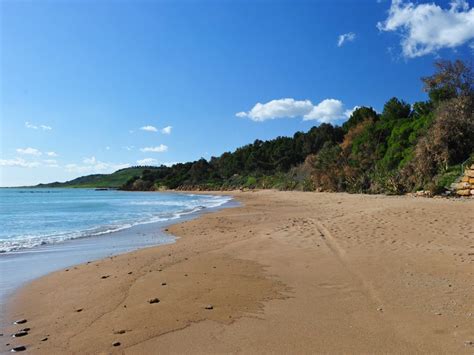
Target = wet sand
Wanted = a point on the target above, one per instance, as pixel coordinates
(287, 272)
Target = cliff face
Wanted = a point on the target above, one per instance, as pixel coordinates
(466, 186)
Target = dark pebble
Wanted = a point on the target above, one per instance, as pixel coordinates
(120, 331)
(20, 321)
(163, 284)
(20, 334)
(117, 343)
(153, 300)
(44, 339)
(79, 310)
(105, 276)
(130, 273)
(209, 306)
(19, 348)
(25, 329)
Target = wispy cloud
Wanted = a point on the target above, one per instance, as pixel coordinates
(41, 126)
(29, 151)
(427, 28)
(92, 165)
(158, 149)
(18, 162)
(325, 111)
(51, 163)
(51, 154)
(147, 161)
(149, 128)
(166, 130)
(346, 37)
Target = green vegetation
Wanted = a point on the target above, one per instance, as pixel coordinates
(404, 148)
(114, 180)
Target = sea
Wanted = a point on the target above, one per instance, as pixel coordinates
(43, 230)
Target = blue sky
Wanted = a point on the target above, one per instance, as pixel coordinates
(79, 79)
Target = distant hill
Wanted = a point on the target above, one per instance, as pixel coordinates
(114, 180)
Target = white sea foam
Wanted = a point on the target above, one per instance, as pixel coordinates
(29, 241)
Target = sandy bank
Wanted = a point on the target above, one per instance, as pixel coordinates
(287, 272)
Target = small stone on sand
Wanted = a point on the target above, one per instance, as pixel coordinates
(19, 348)
(19, 334)
(20, 321)
(117, 343)
(44, 339)
(209, 306)
(153, 300)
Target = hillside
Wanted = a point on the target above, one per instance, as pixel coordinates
(406, 147)
(114, 180)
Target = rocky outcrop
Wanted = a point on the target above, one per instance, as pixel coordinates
(465, 186)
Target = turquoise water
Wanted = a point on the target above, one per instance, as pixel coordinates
(36, 217)
(44, 230)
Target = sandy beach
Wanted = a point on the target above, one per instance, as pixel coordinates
(286, 272)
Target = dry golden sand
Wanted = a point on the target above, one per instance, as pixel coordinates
(287, 272)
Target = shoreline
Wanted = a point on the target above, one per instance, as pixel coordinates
(283, 272)
(26, 265)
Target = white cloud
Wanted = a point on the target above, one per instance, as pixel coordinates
(107, 148)
(426, 28)
(51, 163)
(18, 162)
(166, 130)
(93, 166)
(326, 111)
(29, 151)
(158, 149)
(129, 147)
(51, 154)
(280, 108)
(90, 161)
(147, 161)
(42, 126)
(149, 128)
(348, 113)
(346, 37)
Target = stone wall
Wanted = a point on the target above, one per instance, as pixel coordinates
(465, 187)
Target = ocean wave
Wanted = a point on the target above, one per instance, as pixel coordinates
(32, 241)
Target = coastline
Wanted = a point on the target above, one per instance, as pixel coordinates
(25, 265)
(284, 272)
